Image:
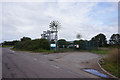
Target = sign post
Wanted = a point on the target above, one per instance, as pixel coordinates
(52, 46)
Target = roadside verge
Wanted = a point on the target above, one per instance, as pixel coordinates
(105, 70)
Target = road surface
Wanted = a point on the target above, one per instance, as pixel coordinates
(16, 64)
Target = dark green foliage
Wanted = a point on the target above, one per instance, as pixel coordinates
(62, 43)
(9, 43)
(33, 45)
(86, 45)
(52, 42)
(100, 39)
(115, 39)
(25, 39)
(76, 42)
(83, 44)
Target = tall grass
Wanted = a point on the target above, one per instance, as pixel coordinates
(113, 55)
(112, 62)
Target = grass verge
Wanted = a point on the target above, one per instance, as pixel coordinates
(36, 51)
(111, 67)
(100, 51)
(48, 51)
(111, 63)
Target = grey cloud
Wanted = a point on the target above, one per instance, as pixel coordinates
(30, 19)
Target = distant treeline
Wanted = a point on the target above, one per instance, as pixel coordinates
(99, 39)
(10, 43)
(28, 44)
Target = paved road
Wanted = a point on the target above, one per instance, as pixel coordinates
(28, 65)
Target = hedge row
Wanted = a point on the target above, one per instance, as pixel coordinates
(33, 45)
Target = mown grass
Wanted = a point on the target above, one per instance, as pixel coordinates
(111, 67)
(62, 50)
(100, 51)
(48, 51)
(36, 51)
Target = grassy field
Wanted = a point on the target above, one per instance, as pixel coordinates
(100, 51)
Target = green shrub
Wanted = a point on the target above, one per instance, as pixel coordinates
(33, 45)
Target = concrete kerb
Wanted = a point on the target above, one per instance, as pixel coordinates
(105, 70)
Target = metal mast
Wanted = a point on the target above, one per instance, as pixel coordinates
(52, 34)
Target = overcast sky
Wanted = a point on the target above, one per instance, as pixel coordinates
(31, 19)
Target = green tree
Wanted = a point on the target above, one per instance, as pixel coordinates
(115, 39)
(62, 43)
(76, 42)
(25, 39)
(52, 41)
(100, 39)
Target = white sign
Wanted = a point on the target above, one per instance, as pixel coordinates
(53, 45)
(77, 46)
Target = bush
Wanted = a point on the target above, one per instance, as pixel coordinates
(33, 45)
(9, 43)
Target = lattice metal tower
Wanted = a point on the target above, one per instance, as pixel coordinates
(52, 34)
(54, 31)
(53, 28)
